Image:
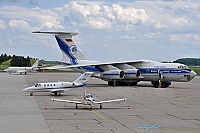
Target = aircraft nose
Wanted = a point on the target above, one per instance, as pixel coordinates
(25, 89)
(192, 74)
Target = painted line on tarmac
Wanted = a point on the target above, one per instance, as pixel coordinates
(98, 115)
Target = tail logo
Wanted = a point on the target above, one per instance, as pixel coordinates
(73, 49)
(82, 79)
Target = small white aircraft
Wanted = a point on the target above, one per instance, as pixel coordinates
(89, 99)
(24, 70)
(59, 87)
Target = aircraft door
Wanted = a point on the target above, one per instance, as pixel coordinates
(161, 75)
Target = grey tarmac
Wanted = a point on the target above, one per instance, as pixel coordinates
(155, 110)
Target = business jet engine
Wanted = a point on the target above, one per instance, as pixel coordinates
(113, 74)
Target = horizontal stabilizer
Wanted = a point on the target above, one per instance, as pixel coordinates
(57, 33)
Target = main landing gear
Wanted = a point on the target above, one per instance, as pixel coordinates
(57, 93)
(163, 84)
(31, 94)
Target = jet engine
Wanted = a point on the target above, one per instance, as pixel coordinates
(132, 73)
(113, 74)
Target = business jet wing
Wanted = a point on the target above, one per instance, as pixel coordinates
(68, 101)
(21, 71)
(53, 67)
(57, 90)
(109, 101)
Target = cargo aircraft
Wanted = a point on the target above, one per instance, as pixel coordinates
(123, 72)
(24, 70)
(59, 87)
(88, 99)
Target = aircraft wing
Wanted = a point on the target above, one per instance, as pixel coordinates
(109, 101)
(57, 89)
(21, 71)
(53, 67)
(108, 63)
(68, 101)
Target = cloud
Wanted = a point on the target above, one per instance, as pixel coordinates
(33, 2)
(34, 16)
(143, 29)
(2, 24)
(11, 1)
(19, 25)
(100, 16)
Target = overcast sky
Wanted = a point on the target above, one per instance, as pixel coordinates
(160, 30)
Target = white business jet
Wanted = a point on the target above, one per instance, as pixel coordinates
(24, 70)
(122, 72)
(88, 99)
(59, 87)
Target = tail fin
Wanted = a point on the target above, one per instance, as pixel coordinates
(84, 78)
(72, 55)
(35, 65)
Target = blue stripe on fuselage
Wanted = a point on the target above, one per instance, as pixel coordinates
(165, 70)
(65, 48)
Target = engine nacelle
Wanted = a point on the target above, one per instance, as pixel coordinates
(113, 74)
(132, 73)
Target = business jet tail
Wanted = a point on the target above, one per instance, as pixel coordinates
(83, 78)
(35, 65)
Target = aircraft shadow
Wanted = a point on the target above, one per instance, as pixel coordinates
(105, 85)
(84, 108)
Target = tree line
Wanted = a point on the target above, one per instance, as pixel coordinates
(189, 61)
(26, 62)
(20, 61)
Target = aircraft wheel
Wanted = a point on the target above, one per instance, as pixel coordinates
(163, 85)
(110, 83)
(100, 106)
(56, 93)
(76, 106)
(134, 84)
(31, 94)
(155, 84)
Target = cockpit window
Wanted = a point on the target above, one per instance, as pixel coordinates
(36, 85)
(89, 96)
(183, 67)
